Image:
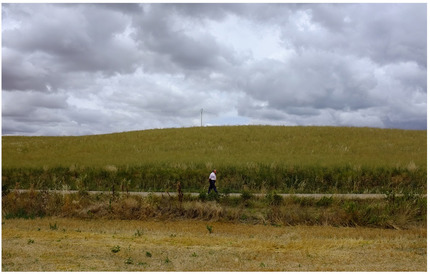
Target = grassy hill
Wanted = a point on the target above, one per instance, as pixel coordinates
(258, 156)
(325, 146)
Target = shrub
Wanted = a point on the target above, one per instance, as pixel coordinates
(324, 202)
(213, 196)
(246, 195)
(202, 196)
(274, 199)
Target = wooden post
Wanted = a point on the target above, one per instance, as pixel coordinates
(180, 194)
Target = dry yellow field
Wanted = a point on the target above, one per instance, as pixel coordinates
(59, 244)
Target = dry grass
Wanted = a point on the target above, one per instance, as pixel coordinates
(61, 244)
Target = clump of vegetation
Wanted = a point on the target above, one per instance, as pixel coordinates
(246, 195)
(138, 233)
(274, 199)
(393, 211)
(116, 249)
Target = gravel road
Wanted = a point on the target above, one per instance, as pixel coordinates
(144, 194)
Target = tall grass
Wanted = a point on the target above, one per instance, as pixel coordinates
(393, 212)
(256, 178)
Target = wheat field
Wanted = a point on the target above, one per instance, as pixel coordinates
(228, 145)
(285, 159)
(62, 244)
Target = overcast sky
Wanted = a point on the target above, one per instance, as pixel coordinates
(78, 69)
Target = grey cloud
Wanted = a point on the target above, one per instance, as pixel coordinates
(96, 68)
(201, 12)
(22, 103)
(58, 39)
(158, 32)
(22, 72)
(31, 113)
(314, 79)
(383, 32)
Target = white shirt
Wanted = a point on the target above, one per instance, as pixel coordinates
(212, 176)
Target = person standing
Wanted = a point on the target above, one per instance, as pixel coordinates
(212, 180)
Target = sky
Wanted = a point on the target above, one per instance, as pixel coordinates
(83, 69)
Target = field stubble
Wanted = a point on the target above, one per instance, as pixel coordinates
(64, 244)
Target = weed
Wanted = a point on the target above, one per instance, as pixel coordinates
(116, 249)
(167, 260)
(202, 196)
(30, 241)
(213, 196)
(129, 260)
(20, 213)
(194, 254)
(246, 195)
(148, 254)
(324, 202)
(274, 199)
(209, 228)
(138, 233)
(400, 211)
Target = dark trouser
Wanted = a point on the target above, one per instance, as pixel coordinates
(212, 186)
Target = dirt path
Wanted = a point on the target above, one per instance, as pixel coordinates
(195, 194)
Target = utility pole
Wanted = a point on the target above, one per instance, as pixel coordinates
(201, 117)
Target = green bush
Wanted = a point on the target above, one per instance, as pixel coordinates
(203, 196)
(246, 195)
(274, 199)
(324, 201)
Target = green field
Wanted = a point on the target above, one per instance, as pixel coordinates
(286, 159)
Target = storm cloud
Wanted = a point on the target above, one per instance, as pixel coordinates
(76, 69)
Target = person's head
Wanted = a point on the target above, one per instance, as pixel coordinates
(215, 171)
